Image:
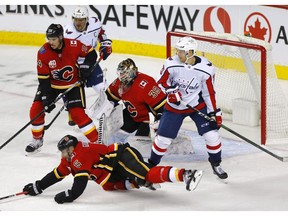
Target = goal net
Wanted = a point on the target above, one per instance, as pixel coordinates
(246, 85)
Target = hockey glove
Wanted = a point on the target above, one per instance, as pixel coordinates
(33, 189)
(217, 116)
(85, 71)
(48, 103)
(105, 48)
(175, 98)
(64, 196)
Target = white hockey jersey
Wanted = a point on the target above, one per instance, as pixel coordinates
(195, 82)
(94, 33)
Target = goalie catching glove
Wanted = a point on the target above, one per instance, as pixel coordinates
(217, 116)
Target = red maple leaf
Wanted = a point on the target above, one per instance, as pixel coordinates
(257, 31)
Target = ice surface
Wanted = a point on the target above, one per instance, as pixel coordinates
(257, 181)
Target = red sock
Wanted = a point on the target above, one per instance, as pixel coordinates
(161, 174)
(38, 124)
(85, 124)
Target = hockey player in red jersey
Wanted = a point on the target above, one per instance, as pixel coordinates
(140, 94)
(114, 167)
(189, 78)
(57, 71)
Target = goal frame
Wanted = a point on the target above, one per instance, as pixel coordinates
(263, 51)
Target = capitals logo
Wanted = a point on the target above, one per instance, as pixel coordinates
(63, 74)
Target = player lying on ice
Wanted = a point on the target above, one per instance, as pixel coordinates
(115, 167)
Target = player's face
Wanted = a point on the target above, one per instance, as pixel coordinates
(55, 42)
(182, 55)
(80, 24)
(66, 153)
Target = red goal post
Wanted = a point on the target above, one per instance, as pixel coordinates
(243, 62)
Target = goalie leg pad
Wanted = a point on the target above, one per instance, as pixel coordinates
(100, 106)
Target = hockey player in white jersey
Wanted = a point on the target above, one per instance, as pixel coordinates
(189, 78)
(90, 31)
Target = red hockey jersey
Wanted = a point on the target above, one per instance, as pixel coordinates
(89, 160)
(142, 97)
(60, 67)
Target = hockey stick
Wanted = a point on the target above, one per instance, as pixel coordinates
(97, 62)
(283, 159)
(12, 195)
(46, 127)
(40, 113)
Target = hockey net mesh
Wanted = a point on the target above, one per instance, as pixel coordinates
(238, 75)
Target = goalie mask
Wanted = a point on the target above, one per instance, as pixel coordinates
(127, 71)
(187, 44)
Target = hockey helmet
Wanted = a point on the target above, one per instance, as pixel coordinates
(187, 44)
(66, 142)
(80, 12)
(54, 30)
(127, 71)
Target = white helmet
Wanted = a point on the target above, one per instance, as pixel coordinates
(187, 44)
(80, 12)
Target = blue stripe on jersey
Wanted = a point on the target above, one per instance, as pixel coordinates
(202, 71)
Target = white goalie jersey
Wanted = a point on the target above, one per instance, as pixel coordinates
(195, 82)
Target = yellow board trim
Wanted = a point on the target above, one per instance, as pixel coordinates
(119, 46)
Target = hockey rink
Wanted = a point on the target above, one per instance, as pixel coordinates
(256, 182)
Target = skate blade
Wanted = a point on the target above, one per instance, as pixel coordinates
(27, 154)
(197, 177)
(225, 181)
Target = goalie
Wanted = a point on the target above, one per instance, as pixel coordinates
(140, 95)
(114, 167)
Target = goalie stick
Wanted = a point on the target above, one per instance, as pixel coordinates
(283, 159)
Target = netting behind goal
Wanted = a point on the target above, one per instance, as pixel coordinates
(245, 76)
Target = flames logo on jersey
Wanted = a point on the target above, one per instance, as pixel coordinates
(63, 74)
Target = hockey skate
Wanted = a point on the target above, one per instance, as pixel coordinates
(217, 170)
(192, 178)
(34, 146)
